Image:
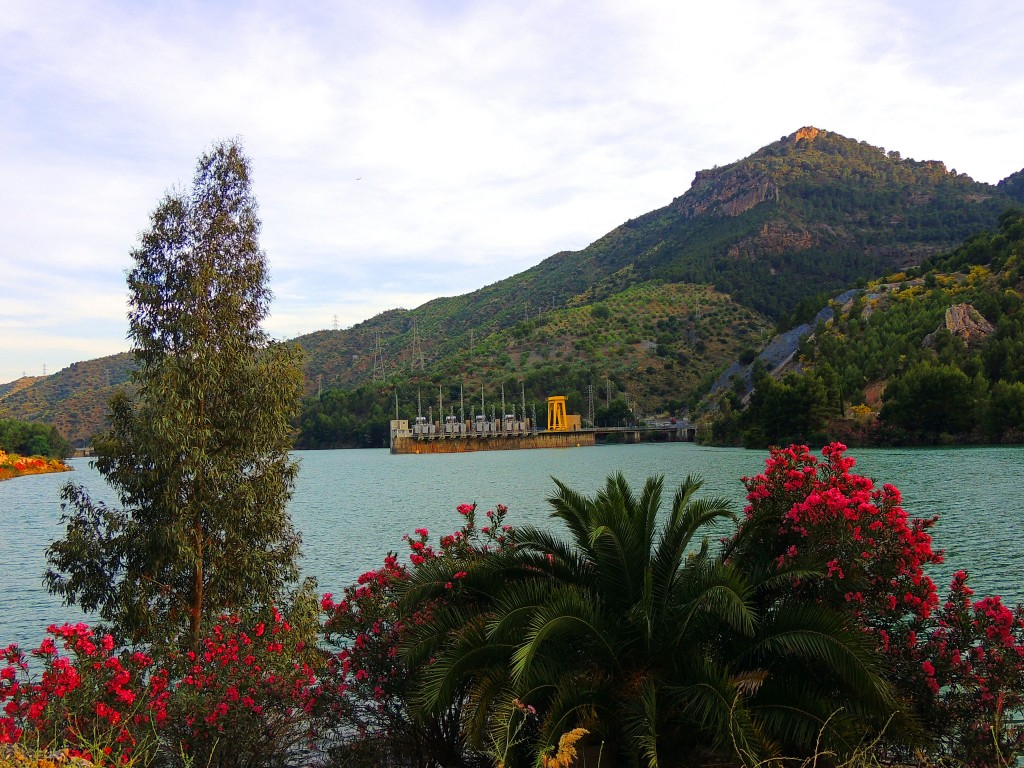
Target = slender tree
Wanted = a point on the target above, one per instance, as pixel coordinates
(199, 455)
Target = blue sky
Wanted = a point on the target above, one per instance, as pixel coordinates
(408, 150)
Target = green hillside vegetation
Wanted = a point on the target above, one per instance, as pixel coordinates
(935, 385)
(801, 218)
(808, 214)
(74, 400)
(653, 347)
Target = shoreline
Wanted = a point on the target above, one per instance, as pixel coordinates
(13, 465)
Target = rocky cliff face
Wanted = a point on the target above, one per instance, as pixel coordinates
(725, 192)
(735, 189)
(774, 237)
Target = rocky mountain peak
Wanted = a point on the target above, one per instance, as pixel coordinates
(807, 133)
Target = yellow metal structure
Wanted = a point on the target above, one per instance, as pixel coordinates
(557, 421)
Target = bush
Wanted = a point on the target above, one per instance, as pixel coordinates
(958, 665)
(369, 688)
(88, 700)
(247, 698)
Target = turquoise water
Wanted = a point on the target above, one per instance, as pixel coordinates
(353, 506)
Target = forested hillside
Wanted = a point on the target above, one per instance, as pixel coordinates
(646, 349)
(804, 216)
(930, 354)
(775, 234)
(73, 400)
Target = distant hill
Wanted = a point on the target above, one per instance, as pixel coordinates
(19, 384)
(770, 235)
(74, 399)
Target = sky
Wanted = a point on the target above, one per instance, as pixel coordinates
(405, 150)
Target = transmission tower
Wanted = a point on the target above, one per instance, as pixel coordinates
(590, 404)
(378, 360)
(335, 322)
(417, 348)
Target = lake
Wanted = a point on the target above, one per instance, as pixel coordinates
(353, 506)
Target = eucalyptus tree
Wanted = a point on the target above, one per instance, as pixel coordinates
(644, 635)
(198, 453)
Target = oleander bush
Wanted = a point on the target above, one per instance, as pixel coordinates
(247, 697)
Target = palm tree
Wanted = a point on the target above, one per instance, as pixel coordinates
(642, 635)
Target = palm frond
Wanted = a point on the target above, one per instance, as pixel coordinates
(567, 612)
(575, 510)
(718, 709)
(640, 721)
(717, 592)
(799, 631)
(676, 538)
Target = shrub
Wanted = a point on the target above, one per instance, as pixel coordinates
(87, 701)
(370, 689)
(247, 698)
(958, 664)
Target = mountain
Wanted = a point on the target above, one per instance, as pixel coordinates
(771, 235)
(806, 215)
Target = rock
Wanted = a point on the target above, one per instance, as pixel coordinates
(964, 322)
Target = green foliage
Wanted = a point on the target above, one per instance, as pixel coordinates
(636, 631)
(939, 385)
(793, 410)
(1005, 412)
(199, 458)
(32, 439)
(356, 418)
(932, 398)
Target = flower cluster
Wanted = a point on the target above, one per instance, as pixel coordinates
(86, 697)
(959, 662)
(248, 692)
(820, 514)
